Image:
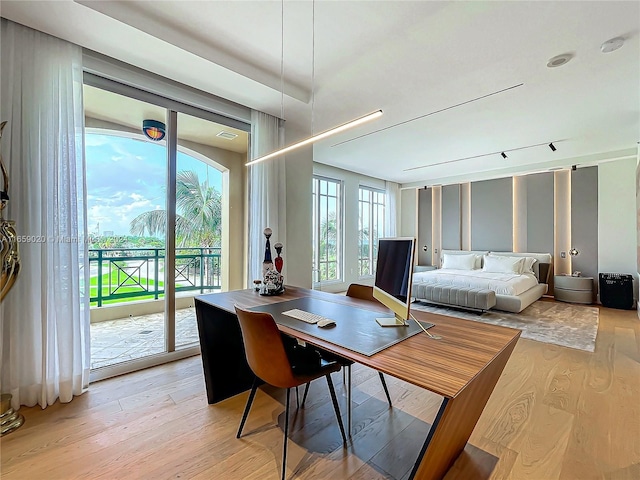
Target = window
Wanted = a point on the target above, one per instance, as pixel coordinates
(370, 228)
(327, 230)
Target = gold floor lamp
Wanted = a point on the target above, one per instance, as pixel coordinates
(10, 420)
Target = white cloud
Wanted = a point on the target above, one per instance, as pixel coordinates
(114, 214)
(96, 140)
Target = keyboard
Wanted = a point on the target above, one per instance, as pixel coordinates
(307, 317)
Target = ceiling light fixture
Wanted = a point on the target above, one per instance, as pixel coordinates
(320, 136)
(153, 129)
(501, 152)
(559, 60)
(612, 45)
(326, 133)
(430, 113)
(552, 147)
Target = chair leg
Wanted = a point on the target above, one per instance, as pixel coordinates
(286, 436)
(254, 388)
(386, 390)
(304, 397)
(335, 407)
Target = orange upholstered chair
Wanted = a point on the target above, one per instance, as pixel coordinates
(268, 360)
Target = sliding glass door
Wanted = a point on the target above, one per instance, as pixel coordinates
(157, 210)
(126, 184)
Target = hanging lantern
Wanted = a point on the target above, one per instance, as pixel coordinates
(153, 129)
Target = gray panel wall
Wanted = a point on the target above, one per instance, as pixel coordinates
(424, 226)
(492, 215)
(584, 220)
(451, 235)
(540, 226)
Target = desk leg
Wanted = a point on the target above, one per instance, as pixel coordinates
(348, 369)
(456, 420)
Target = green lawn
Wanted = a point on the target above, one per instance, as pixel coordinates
(129, 286)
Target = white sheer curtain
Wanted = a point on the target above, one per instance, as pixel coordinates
(391, 209)
(44, 320)
(267, 192)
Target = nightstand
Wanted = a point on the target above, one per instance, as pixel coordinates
(573, 289)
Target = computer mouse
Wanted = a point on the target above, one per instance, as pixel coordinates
(326, 323)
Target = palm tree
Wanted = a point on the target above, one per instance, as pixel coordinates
(198, 219)
(198, 214)
(329, 245)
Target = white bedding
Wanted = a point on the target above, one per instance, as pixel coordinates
(501, 283)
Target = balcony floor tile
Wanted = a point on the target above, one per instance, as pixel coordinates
(120, 340)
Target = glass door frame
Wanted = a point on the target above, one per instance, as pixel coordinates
(173, 107)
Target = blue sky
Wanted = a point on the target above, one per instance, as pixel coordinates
(126, 177)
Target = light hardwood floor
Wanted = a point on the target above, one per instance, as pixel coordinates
(556, 413)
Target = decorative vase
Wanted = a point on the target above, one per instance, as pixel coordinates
(279, 262)
(267, 263)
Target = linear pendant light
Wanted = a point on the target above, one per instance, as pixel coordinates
(326, 133)
(319, 136)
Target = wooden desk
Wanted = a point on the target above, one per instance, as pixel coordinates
(463, 367)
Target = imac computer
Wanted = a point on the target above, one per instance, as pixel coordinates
(394, 272)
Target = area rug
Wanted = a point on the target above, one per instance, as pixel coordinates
(565, 324)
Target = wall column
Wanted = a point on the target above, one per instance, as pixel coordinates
(562, 221)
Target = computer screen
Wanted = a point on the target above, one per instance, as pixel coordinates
(394, 272)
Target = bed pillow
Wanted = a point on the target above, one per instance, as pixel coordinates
(496, 264)
(459, 262)
(527, 265)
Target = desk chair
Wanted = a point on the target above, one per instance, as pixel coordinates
(269, 362)
(362, 292)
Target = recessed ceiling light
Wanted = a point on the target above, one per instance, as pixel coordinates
(612, 45)
(559, 60)
(227, 135)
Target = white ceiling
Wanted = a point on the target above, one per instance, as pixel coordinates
(409, 59)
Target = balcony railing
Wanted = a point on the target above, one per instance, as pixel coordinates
(126, 274)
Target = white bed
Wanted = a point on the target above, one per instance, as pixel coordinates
(514, 290)
(501, 283)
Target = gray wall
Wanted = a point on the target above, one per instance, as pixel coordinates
(492, 215)
(584, 221)
(424, 226)
(540, 227)
(451, 234)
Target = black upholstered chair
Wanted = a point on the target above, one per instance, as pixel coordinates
(362, 292)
